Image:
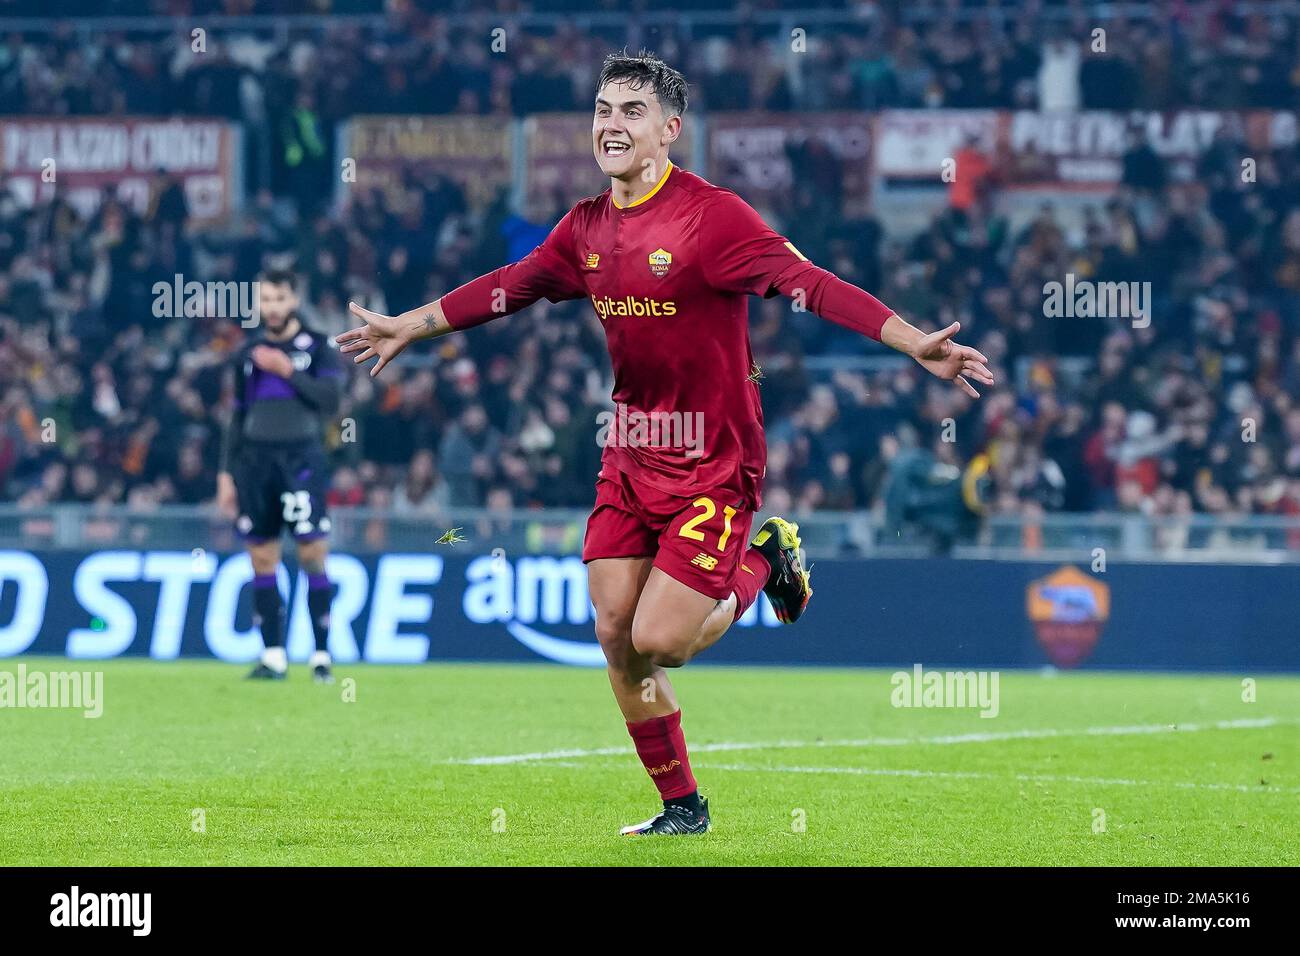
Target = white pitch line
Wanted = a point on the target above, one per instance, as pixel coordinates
(1023, 777)
(946, 739)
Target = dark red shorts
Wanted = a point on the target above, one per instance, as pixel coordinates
(698, 540)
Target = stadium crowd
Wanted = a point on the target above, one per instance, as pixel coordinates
(875, 55)
(101, 400)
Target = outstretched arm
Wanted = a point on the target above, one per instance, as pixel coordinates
(549, 271)
(845, 304)
(747, 255)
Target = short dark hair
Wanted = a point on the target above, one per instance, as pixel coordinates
(646, 68)
(280, 277)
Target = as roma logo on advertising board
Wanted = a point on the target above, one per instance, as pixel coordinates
(1068, 609)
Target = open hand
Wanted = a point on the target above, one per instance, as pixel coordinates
(382, 335)
(939, 355)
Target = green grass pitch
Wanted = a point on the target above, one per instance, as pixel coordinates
(802, 767)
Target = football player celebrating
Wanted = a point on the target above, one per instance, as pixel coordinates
(274, 473)
(668, 261)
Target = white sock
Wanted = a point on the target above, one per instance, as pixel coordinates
(276, 659)
(320, 657)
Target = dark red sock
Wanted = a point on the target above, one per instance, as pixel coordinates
(662, 749)
(754, 572)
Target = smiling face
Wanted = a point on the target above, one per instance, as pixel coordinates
(630, 133)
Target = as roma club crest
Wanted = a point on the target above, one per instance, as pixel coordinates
(660, 262)
(1068, 609)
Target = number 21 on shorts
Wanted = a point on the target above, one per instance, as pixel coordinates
(707, 510)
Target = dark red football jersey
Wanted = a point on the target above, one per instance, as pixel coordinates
(669, 276)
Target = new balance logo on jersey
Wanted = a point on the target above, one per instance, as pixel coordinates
(593, 261)
(706, 561)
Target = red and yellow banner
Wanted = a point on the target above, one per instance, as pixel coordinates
(77, 158)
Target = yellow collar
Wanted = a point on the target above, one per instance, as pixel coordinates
(658, 186)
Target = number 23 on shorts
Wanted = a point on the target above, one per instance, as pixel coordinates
(707, 510)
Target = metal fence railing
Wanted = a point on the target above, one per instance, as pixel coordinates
(1081, 538)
